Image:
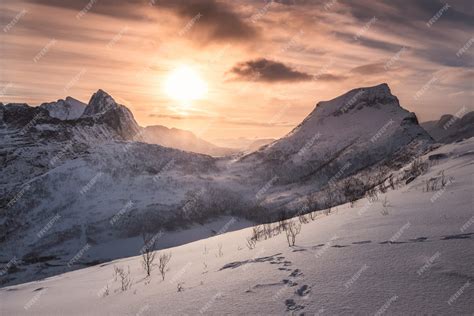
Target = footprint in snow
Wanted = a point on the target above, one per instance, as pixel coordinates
(298, 250)
(419, 239)
(362, 242)
(303, 291)
(295, 273)
(290, 282)
(292, 306)
(458, 236)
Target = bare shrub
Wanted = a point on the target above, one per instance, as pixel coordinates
(116, 272)
(391, 182)
(312, 215)
(292, 230)
(106, 291)
(302, 218)
(219, 250)
(180, 286)
(330, 197)
(256, 232)
(385, 202)
(353, 189)
(124, 277)
(148, 253)
(372, 195)
(164, 259)
(267, 231)
(444, 181)
(436, 183)
(251, 243)
(282, 225)
(417, 168)
(312, 203)
(382, 188)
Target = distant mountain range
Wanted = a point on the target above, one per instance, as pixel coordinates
(71, 109)
(182, 139)
(68, 181)
(450, 128)
(245, 144)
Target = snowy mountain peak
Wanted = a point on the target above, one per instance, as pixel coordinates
(359, 129)
(100, 102)
(356, 99)
(68, 109)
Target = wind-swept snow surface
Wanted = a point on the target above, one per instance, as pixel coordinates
(410, 252)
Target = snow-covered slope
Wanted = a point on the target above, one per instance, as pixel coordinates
(74, 177)
(412, 256)
(184, 140)
(357, 129)
(68, 109)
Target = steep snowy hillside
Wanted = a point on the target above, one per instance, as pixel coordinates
(184, 140)
(68, 109)
(93, 181)
(409, 252)
(362, 126)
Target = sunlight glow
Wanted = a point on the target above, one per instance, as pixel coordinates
(185, 84)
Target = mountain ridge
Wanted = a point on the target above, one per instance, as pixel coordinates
(451, 128)
(87, 170)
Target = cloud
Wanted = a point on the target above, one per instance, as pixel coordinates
(369, 69)
(268, 71)
(127, 9)
(217, 19)
(330, 77)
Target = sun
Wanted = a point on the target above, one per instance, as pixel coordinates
(185, 84)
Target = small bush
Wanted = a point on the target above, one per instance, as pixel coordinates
(436, 183)
(292, 230)
(219, 249)
(302, 218)
(164, 259)
(417, 168)
(251, 243)
(148, 253)
(124, 277)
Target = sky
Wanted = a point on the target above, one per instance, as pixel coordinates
(265, 63)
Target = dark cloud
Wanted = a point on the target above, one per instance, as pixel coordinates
(267, 70)
(127, 9)
(217, 19)
(439, 41)
(377, 44)
(401, 12)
